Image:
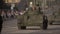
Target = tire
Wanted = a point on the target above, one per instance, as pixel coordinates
(23, 27)
(51, 23)
(41, 26)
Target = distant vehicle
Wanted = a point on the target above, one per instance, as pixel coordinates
(54, 18)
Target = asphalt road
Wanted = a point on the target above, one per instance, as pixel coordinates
(10, 27)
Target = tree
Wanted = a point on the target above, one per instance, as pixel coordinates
(1, 4)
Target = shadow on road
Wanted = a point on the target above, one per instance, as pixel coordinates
(31, 29)
(54, 28)
(49, 29)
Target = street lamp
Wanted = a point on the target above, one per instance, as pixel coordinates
(31, 4)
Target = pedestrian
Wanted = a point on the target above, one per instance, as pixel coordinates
(45, 22)
(12, 15)
(1, 22)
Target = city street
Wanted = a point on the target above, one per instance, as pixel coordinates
(10, 27)
(31, 8)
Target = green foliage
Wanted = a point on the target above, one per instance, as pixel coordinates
(3, 5)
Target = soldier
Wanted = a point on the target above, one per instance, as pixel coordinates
(1, 22)
(45, 22)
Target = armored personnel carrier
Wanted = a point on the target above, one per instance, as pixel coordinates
(54, 19)
(29, 18)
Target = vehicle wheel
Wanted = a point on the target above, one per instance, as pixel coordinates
(41, 26)
(23, 27)
(51, 23)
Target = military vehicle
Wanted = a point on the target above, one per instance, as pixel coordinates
(54, 19)
(29, 18)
